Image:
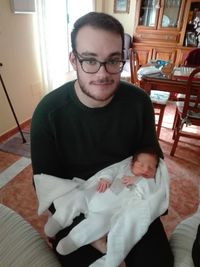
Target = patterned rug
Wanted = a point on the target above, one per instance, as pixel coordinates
(16, 146)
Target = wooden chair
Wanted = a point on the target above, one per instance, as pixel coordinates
(191, 60)
(188, 112)
(126, 74)
(158, 98)
(134, 66)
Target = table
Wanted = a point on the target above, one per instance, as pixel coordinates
(170, 83)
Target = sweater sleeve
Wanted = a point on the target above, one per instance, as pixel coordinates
(45, 158)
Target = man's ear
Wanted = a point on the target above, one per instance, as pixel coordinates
(73, 60)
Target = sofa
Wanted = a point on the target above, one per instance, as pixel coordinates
(182, 240)
(20, 244)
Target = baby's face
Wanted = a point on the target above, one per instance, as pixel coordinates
(145, 165)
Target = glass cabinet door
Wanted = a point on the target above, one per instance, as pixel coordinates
(192, 33)
(149, 13)
(171, 12)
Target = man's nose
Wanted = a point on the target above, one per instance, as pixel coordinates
(102, 68)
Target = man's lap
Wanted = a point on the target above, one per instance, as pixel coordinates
(152, 250)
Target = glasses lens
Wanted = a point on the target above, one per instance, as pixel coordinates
(90, 66)
(114, 66)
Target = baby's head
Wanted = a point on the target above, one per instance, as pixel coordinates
(145, 163)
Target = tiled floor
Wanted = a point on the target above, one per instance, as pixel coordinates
(18, 192)
(184, 169)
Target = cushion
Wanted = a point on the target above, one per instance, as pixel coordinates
(147, 70)
(21, 245)
(159, 97)
(196, 249)
(182, 240)
(182, 97)
(191, 114)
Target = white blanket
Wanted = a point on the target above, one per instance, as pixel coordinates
(128, 223)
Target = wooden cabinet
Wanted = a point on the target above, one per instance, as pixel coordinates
(162, 29)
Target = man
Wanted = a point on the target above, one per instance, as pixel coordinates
(95, 121)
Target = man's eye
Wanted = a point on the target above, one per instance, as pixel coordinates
(90, 61)
(113, 62)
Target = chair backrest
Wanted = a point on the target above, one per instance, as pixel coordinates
(134, 66)
(127, 45)
(193, 58)
(193, 107)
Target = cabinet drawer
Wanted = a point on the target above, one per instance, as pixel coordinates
(165, 53)
(142, 37)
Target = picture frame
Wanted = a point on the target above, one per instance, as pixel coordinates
(121, 6)
(23, 6)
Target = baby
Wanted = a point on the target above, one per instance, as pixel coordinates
(118, 184)
(144, 164)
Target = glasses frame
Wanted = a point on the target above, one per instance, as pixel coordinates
(101, 63)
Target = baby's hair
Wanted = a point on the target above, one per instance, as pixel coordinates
(147, 150)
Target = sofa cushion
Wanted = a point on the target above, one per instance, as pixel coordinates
(182, 240)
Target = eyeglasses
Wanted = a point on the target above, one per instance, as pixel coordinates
(91, 65)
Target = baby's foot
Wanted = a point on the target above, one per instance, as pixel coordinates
(66, 246)
(52, 227)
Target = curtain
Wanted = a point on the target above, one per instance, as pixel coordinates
(53, 41)
(54, 23)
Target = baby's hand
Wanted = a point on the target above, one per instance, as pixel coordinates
(127, 180)
(103, 185)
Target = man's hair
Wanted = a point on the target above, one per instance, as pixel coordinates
(147, 150)
(97, 20)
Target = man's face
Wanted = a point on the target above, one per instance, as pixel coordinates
(99, 45)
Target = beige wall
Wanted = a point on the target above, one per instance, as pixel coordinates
(127, 19)
(20, 71)
(99, 5)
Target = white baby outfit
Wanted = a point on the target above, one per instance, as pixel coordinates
(124, 213)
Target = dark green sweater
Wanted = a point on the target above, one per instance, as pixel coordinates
(70, 140)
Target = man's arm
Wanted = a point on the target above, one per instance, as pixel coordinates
(43, 149)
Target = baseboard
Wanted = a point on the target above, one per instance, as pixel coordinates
(13, 131)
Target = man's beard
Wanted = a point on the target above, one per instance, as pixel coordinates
(93, 96)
